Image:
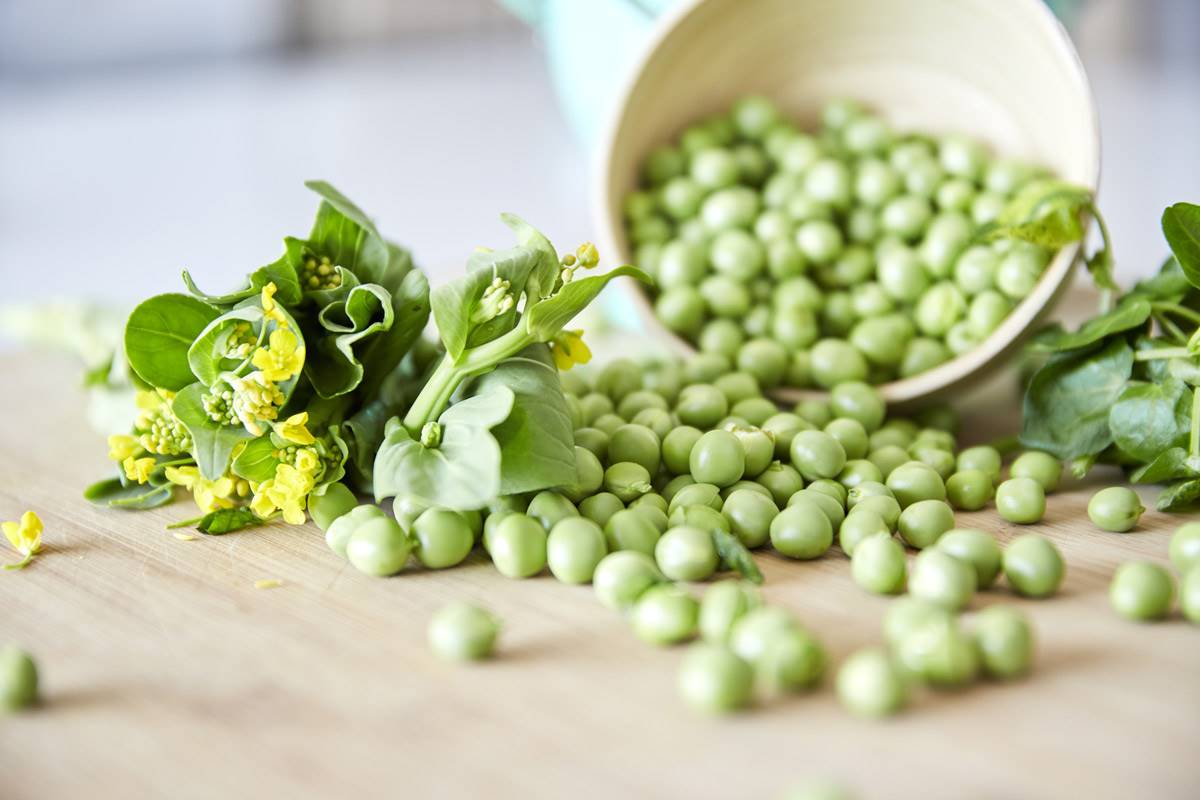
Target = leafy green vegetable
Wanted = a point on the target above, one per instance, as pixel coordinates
(1168, 465)
(551, 315)
(212, 442)
(281, 272)
(1126, 316)
(457, 305)
(1181, 227)
(117, 493)
(158, 334)
(1148, 418)
(227, 520)
(1179, 496)
(257, 460)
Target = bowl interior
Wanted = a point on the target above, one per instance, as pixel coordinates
(1003, 72)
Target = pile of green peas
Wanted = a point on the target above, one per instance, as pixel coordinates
(1145, 592)
(842, 255)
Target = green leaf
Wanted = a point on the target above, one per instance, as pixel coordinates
(228, 520)
(1045, 212)
(1181, 226)
(333, 366)
(212, 443)
(1066, 406)
(1149, 418)
(116, 493)
(257, 462)
(734, 555)
(1168, 465)
(547, 318)
(462, 473)
(206, 355)
(383, 354)
(544, 275)
(1126, 316)
(1179, 496)
(158, 335)
(454, 303)
(282, 272)
(484, 410)
(1169, 283)
(537, 438)
(348, 238)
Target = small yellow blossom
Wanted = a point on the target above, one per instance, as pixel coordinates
(287, 492)
(121, 447)
(255, 399)
(210, 495)
(282, 359)
(25, 537)
(268, 583)
(569, 349)
(138, 469)
(307, 460)
(294, 429)
(270, 307)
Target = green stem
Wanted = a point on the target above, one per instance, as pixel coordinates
(1194, 443)
(1175, 308)
(1160, 353)
(20, 564)
(1171, 328)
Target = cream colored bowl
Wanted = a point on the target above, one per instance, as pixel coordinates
(1003, 71)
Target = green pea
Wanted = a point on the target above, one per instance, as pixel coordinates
(888, 458)
(858, 471)
(1005, 642)
(867, 489)
(816, 412)
(985, 313)
(1116, 509)
(681, 309)
(906, 614)
(701, 405)
(665, 614)
(549, 508)
(1141, 591)
(906, 216)
(1185, 547)
(915, 481)
(639, 400)
(901, 275)
(974, 547)
(829, 504)
(704, 494)
(750, 514)
(1019, 271)
(595, 405)
(878, 564)
(792, 661)
(589, 476)
(593, 439)
(662, 164)
(650, 499)
(802, 530)
(686, 553)
(338, 534)
(1022, 500)
(940, 653)
(702, 517)
(941, 578)
(1041, 467)
(754, 631)
(712, 680)
(942, 461)
(835, 361)
(983, 458)
(443, 538)
(737, 386)
(463, 632)
(858, 527)
(1189, 595)
(937, 438)
(378, 546)
(622, 577)
(969, 489)
(335, 501)
(816, 454)
(922, 523)
(599, 508)
(838, 316)
(627, 480)
(657, 420)
(723, 605)
(758, 448)
(677, 448)
(782, 481)
(717, 458)
(754, 411)
(723, 336)
(714, 168)
(883, 505)
(637, 444)
(851, 435)
(492, 523)
(1033, 566)
(407, 508)
(858, 401)
(725, 213)
(657, 517)
(921, 355)
(749, 486)
(680, 197)
(18, 679)
(765, 359)
(574, 548)
(517, 546)
(869, 685)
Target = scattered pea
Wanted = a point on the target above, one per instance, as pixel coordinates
(517, 546)
(1185, 547)
(713, 680)
(463, 632)
(1116, 509)
(686, 553)
(977, 548)
(1041, 467)
(1021, 500)
(878, 564)
(724, 604)
(1005, 642)
(622, 577)
(1141, 591)
(1033, 566)
(574, 548)
(941, 578)
(18, 679)
(924, 522)
(869, 685)
(665, 614)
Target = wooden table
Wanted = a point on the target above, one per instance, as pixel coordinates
(167, 674)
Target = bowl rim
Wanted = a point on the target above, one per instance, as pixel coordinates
(959, 371)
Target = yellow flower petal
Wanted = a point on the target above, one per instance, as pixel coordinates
(268, 583)
(25, 536)
(294, 429)
(121, 447)
(138, 469)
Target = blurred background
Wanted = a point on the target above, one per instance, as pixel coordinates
(138, 137)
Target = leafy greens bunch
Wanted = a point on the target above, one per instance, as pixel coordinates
(1124, 388)
(261, 399)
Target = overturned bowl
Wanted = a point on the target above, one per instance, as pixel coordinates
(1004, 73)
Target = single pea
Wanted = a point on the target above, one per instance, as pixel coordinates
(802, 530)
(793, 329)
(906, 614)
(701, 405)
(922, 354)
(901, 275)
(622, 577)
(574, 548)
(749, 486)
(969, 489)
(693, 494)
(662, 164)
(869, 685)
(627, 480)
(549, 508)
(981, 457)
(974, 547)
(858, 471)
(665, 614)
(750, 514)
(836, 361)
(650, 499)
(335, 501)
(758, 447)
(338, 534)
(934, 438)
(864, 490)
(859, 401)
(723, 604)
(986, 311)
(753, 411)
(633, 443)
(1141, 591)
(735, 253)
(941, 578)
(940, 653)
(838, 316)
(681, 197)
(599, 508)
(1185, 547)
(782, 481)
(783, 427)
(906, 216)
(1041, 467)
(737, 386)
(608, 423)
(942, 461)
(378, 546)
(712, 680)
(717, 458)
(888, 458)
(680, 263)
(589, 475)
(702, 517)
(660, 422)
(1019, 271)
(816, 454)
(1023, 501)
(883, 505)
(858, 527)
(878, 564)
(686, 553)
(640, 400)
(714, 168)
(406, 509)
(657, 517)
(1116, 509)
(765, 359)
(792, 661)
(443, 538)
(681, 310)
(915, 481)
(18, 679)
(593, 439)
(815, 412)
(922, 523)
(722, 336)
(754, 631)
(677, 448)
(463, 632)
(518, 546)
(888, 436)
(1033, 566)
(828, 502)
(1005, 642)
(1189, 595)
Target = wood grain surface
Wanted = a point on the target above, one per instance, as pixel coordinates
(167, 674)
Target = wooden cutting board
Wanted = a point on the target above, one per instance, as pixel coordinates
(166, 673)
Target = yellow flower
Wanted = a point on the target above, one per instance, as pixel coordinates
(270, 307)
(287, 491)
(255, 399)
(294, 429)
(25, 536)
(121, 447)
(138, 469)
(283, 358)
(210, 495)
(569, 349)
